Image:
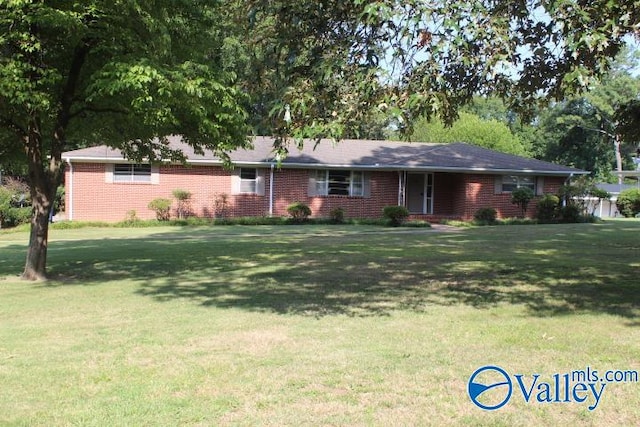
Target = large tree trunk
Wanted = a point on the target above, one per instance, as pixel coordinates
(36, 265)
(45, 164)
(44, 179)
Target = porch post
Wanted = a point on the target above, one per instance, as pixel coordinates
(401, 187)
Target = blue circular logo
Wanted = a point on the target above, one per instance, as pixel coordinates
(490, 387)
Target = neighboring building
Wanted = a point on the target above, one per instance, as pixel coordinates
(607, 208)
(433, 181)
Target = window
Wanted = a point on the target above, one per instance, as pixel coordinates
(125, 172)
(339, 183)
(512, 182)
(248, 180)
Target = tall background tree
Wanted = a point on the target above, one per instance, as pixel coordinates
(339, 63)
(124, 73)
(588, 130)
(487, 133)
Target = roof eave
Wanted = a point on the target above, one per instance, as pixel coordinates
(374, 167)
(382, 167)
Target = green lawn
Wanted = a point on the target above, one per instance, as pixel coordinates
(317, 325)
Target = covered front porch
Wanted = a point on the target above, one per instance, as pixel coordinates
(436, 195)
(431, 196)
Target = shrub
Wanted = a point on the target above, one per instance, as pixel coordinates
(13, 211)
(629, 202)
(337, 215)
(162, 208)
(417, 224)
(5, 204)
(220, 205)
(251, 220)
(521, 197)
(518, 221)
(547, 209)
(12, 217)
(299, 212)
(131, 217)
(571, 214)
(184, 202)
(395, 214)
(486, 215)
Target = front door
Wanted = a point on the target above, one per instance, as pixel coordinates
(419, 193)
(416, 193)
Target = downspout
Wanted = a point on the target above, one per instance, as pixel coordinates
(70, 192)
(566, 182)
(271, 174)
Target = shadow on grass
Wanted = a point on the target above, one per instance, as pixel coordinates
(550, 270)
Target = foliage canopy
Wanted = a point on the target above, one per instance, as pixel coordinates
(124, 73)
(337, 62)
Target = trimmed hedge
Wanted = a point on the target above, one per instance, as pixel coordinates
(396, 215)
(486, 215)
(299, 211)
(547, 209)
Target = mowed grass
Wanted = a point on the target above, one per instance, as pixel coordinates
(319, 325)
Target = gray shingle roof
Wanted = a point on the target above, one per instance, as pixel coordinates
(364, 154)
(616, 188)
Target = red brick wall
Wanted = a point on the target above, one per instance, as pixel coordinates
(293, 186)
(461, 195)
(455, 195)
(445, 188)
(96, 200)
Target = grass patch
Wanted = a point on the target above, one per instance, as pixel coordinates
(314, 325)
(200, 222)
(512, 221)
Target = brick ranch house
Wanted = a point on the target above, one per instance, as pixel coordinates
(433, 181)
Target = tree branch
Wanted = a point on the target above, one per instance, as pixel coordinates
(79, 56)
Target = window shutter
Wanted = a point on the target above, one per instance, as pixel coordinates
(498, 185)
(366, 182)
(312, 184)
(235, 181)
(539, 186)
(108, 173)
(260, 182)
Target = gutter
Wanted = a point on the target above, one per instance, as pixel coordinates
(377, 167)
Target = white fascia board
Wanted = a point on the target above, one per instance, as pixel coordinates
(381, 167)
(394, 168)
(91, 159)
